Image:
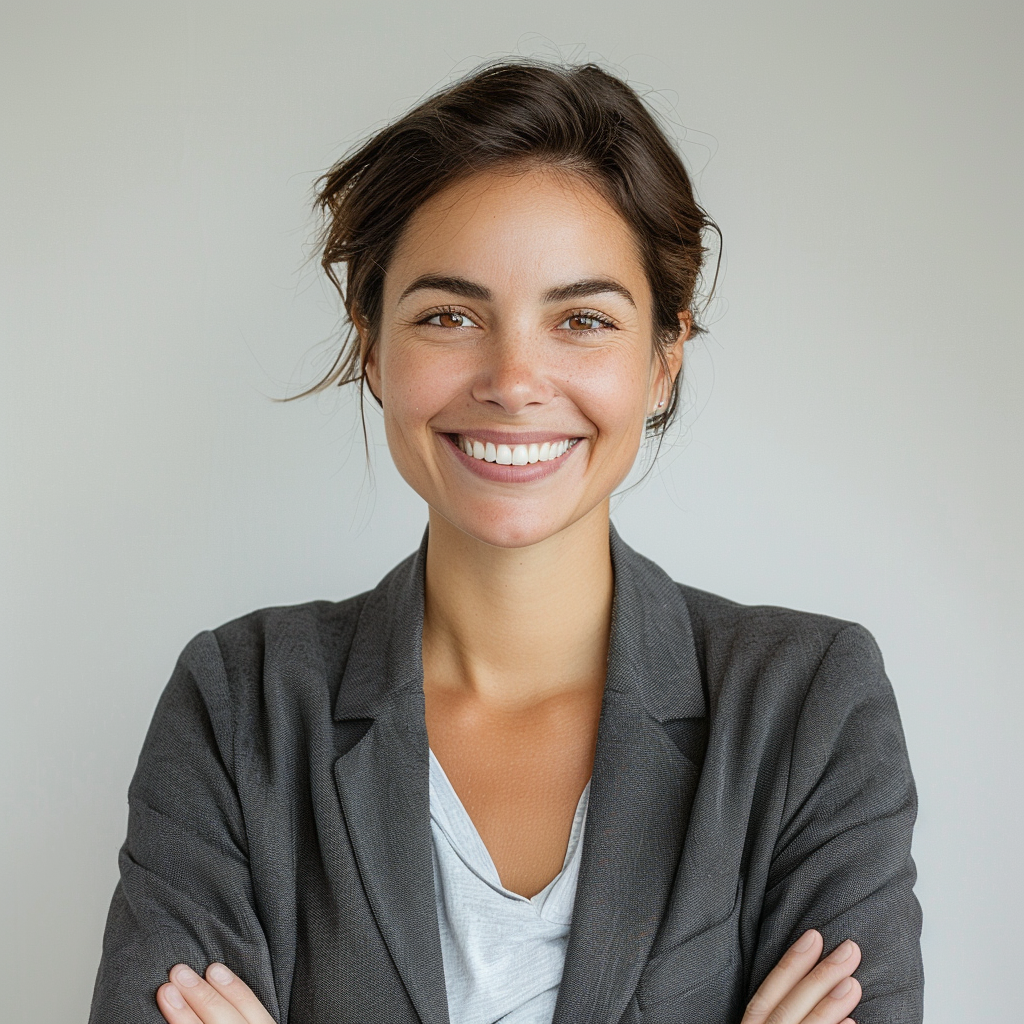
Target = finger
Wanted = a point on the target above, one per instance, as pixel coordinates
(171, 1004)
(801, 1000)
(238, 994)
(796, 964)
(206, 1002)
(836, 1006)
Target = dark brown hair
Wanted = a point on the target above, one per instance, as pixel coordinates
(511, 112)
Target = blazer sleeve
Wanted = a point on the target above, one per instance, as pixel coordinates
(185, 893)
(842, 861)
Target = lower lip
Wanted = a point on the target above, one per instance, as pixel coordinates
(508, 474)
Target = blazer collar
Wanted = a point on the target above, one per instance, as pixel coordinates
(652, 660)
(641, 790)
(386, 658)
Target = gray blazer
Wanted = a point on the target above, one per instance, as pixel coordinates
(751, 781)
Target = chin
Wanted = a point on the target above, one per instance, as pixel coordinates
(509, 530)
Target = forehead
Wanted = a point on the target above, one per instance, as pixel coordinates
(518, 230)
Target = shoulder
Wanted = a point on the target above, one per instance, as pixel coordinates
(296, 652)
(776, 656)
(798, 694)
(315, 629)
(757, 663)
(718, 621)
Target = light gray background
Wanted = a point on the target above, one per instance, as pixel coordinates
(852, 443)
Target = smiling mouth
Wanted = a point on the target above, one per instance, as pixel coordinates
(513, 454)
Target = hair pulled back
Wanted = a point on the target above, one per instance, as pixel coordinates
(575, 117)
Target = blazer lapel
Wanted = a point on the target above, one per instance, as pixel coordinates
(383, 781)
(641, 793)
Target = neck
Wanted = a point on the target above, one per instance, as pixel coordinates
(518, 625)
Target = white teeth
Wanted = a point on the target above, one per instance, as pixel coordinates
(513, 455)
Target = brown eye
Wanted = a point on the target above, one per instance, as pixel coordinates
(583, 322)
(450, 319)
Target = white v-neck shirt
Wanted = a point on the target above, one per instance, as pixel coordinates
(503, 953)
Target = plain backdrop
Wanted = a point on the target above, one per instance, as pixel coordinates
(851, 442)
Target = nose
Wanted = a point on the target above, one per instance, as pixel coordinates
(513, 374)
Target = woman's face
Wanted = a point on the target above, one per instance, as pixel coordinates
(515, 361)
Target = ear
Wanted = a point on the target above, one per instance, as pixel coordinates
(369, 356)
(661, 385)
(674, 355)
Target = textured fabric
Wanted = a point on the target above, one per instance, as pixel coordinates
(503, 953)
(750, 781)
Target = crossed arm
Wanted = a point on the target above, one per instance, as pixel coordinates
(800, 990)
(205, 926)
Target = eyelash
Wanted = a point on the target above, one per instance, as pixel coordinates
(584, 314)
(591, 314)
(441, 311)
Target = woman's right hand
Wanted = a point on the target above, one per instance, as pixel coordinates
(799, 990)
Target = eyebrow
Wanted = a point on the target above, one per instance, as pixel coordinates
(590, 286)
(455, 285)
(471, 290)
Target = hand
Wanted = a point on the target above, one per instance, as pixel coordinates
(223, 998)
(798, 991)
(802, 991)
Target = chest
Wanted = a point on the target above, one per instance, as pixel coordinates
(341, 861)
(519, 774)
(367, 909)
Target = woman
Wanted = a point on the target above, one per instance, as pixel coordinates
(528, 777)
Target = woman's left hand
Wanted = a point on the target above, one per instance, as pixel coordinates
(222, 998)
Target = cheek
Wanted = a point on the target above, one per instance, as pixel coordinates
(614, 397)
(416, 385)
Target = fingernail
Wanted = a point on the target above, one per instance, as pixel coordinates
(842, 988)
(184, 975)
(805, 941)
(173, 996)
(841, 952)
(220, 974)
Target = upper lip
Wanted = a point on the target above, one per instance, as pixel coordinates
(512, 439)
